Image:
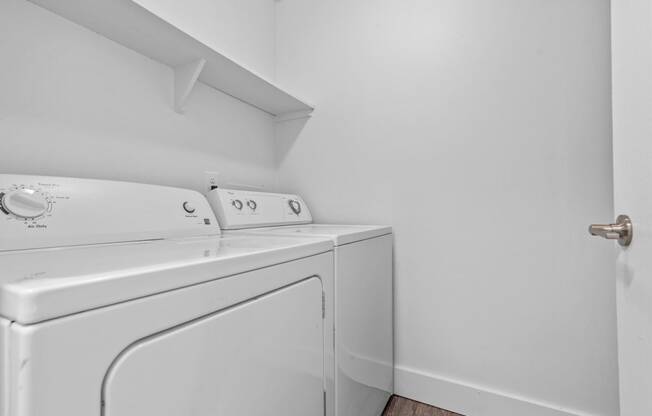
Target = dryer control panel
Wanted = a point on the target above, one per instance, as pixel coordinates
(246, 209)
(43, 211)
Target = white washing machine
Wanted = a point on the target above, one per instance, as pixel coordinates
(120, 299)
(363, 296)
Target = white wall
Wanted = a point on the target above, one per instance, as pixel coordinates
(73, 103)
(481, 131)
(243, 29)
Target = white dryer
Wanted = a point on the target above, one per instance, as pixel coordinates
(120, 299)
(363, 296)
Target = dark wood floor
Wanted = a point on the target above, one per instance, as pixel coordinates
(400, 406)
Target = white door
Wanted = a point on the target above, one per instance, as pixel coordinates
(632, 145)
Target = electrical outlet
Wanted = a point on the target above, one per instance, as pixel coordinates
(211, 180)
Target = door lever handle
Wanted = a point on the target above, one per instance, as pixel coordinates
(622, 230)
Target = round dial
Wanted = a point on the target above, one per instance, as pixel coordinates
(252, 204)
(188, 208)
(237, 203)
(295, 206)
(25, 203)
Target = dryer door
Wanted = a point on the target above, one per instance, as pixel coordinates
(261, 357)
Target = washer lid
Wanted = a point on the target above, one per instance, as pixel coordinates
(36, 285)
(340, 234)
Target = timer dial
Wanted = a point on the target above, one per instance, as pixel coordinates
(25, 203)
(295, 206)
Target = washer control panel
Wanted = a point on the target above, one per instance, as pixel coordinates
(246, 209)
(42, 211)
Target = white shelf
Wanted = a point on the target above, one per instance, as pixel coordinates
(131, 25)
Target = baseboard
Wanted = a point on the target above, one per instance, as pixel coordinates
(469, 400)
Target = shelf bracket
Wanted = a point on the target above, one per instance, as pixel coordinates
(185, 77)
(294, 115)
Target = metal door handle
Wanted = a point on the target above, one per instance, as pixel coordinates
(622, 230)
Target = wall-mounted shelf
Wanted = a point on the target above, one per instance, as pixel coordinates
(128, 23)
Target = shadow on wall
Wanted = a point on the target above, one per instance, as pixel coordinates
(286, 134)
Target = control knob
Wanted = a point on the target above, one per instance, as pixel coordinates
(295, 206)
(188, 208)
(25, 203)
(252, 204)
(237, 204)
